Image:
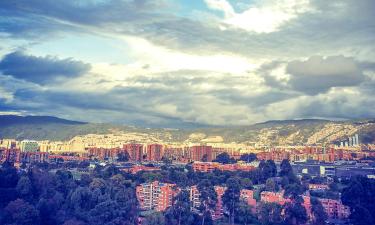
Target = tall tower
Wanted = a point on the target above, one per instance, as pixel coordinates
(356, 139)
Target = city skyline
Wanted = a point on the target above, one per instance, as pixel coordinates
(171, 63)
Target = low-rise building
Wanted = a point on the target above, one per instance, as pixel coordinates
(318, 187)
(335, 209)
(29, 146)
(211, 166)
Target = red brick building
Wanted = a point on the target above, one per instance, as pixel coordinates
(200, 153)
(335, 208)
(248, 197)
(16, 156)
(154, 152)
(68, 157)
(176, 153)
(104, 153)
(156, 195)
(135, 151)
(137, 168)
(211, 166)
(219, 210)
(273, 197)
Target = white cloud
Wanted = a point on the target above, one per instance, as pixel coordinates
(5, 95)
(221, 5)
(163, 59)
(264, 16)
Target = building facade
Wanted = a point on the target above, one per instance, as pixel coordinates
(156, 195)
(154, 152)
(135, 151)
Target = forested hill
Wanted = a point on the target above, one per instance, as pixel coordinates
(283, 132)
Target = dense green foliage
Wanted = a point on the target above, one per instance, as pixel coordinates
(359, 196)
(39, 196)
(45, 194)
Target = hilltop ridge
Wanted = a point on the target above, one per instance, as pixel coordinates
(275, 132)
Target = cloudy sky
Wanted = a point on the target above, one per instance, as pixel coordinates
(173, 63)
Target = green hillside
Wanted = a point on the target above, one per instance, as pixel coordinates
(270, 133)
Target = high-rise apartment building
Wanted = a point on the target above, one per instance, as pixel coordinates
(200, 153)
(135, 151)
(154, 152)
(156, 195)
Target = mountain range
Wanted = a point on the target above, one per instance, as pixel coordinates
(281, 132)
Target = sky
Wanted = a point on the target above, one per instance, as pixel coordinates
(179, 63)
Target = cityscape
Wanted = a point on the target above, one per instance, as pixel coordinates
(200, 180)
(187, 112)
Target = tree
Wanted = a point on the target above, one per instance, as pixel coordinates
(48, 208)
(334, 186)
(21, 213)
(154, 219)
(359, 196)
(84, 164)
(223, 158)
(180, 212)
(248, 157)
(85, 180)
(231, 197)
(267, 169)
(64, 181)
(271, 185)
(127, 201)
(295, 212)
(270, 213)
(24, 188)
(246, 183)
(285, 168)
(319, 215)
(272, 168)
(81, 201)
(123, 156)
(244, 214)
(166, 160)
(108, 171)
(293, 191)
(74, 222)
(107, 212)
(98, 183)
(8, 175)
(207, 197)
(361, 216)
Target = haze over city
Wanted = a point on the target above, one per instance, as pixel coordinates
(165, 63)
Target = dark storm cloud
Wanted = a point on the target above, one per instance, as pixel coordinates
(41, 70)
(18, 24)
(24, 18)
(350, 20)
(318, 74)
(127, 105)
(256, 101)
(342, 106)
